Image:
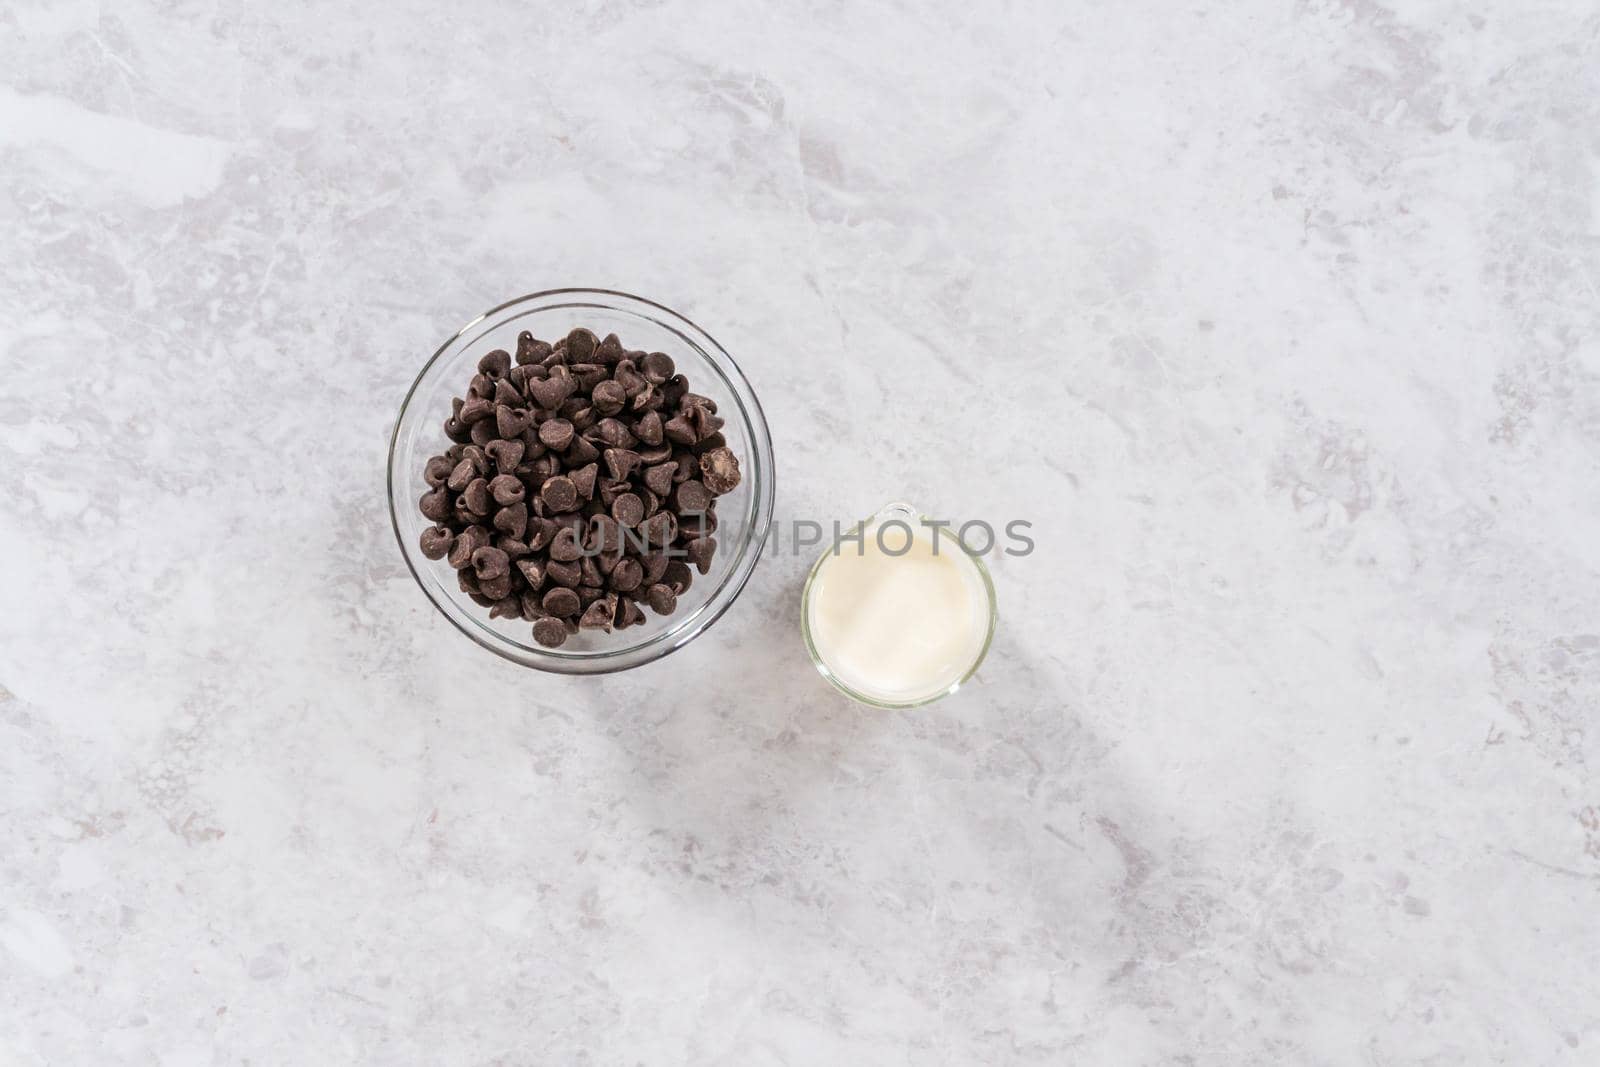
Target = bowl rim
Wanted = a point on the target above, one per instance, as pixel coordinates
(752, 547)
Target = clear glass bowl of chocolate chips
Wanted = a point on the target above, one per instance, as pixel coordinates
(581, 480)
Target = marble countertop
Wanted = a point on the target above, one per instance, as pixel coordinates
(1277, 320)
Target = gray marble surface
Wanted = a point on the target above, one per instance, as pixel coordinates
(1279, 320)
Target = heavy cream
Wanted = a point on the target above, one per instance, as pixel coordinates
(898, 627)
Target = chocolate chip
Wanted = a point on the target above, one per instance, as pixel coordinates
(550, 392)
(462, 476)
(663, 601)
(483, 432)
(627, 509)
(436, 541)
(565, 546)
(695, 400)
(509, 608)
(628, 614)
(658, 479)
(555, 433)
(436, 505)
(507, 489)
(621, 462)
(581, 344)
(495, 588)
(456, 430)
(608, 398)
(437, 472)
(530, 349)
(508, 394)
(677, 577)
(560, 494)
(627, 575)
(710, 437)
(561, 601)
(598, 615)
(476, 496)
(699, 551)
(660, 529)
(495, 364)
(563, 574)
(613, 433)
(680, 429)
(476, 410)
(507, 455)
(513, 548)
(719, 470)
(549, 632)
(532, 571)
(649, 429)
(581, 451)
(510, 422)
(610, 350)
(692, 496)
(657, 367)
(489, 563)
(589, 572)
(583, 480)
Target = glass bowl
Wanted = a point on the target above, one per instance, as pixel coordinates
(743, 515)
(979, 583)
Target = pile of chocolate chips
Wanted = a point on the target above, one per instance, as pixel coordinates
(582, 484)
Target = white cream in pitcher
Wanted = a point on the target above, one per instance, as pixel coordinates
(894, 619)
